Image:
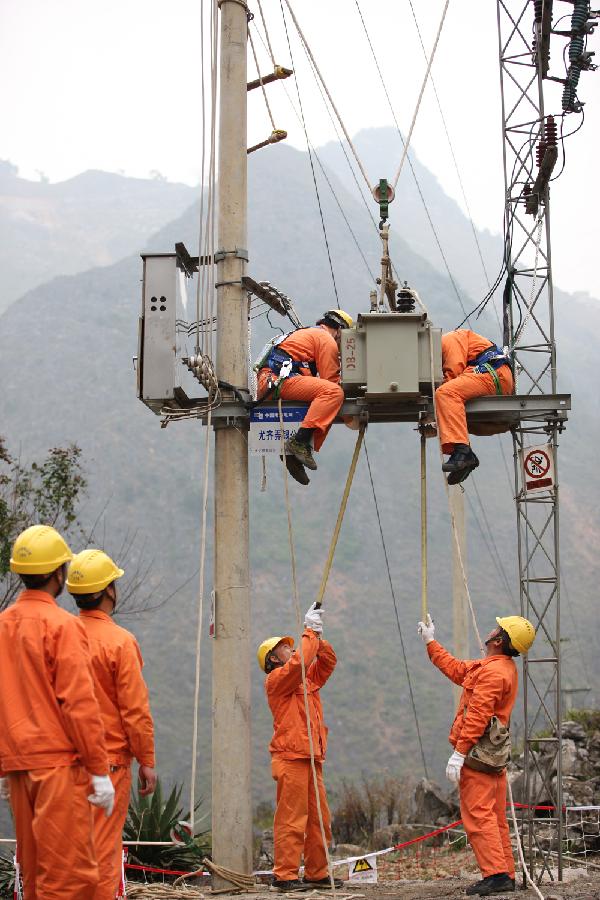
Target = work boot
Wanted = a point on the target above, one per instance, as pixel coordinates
(296, 470)
(285, 887)
(460, 464)
(493, 884)
(463, 474)
(302, 452)
(461, 457)
(324, 883)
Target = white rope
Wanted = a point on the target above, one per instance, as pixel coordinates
(199, 627)
(261, 81)
(422, 91)
(452, 516)
(262, 16)
(329, 97)
(301, 654)
(519, 844)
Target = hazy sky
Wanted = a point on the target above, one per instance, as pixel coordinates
(116, 86)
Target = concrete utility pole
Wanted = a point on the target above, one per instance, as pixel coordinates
(231, 792)
(460, 606)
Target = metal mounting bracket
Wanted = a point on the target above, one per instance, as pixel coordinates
(239, 253)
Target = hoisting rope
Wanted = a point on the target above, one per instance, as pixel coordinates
(422, 91)
(301, 655)
(423, 526)
(340, 517)
(452, 516)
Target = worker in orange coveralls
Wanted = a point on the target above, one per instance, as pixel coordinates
(489, 689)
(123, 697)
(53, 755)
(305, 366)
(473, 366)
(296, 829)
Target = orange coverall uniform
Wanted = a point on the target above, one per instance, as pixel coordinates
(296, 827)
(51, 741)
(324, 393)
(489, 689)
(123, 698)
(461, 383)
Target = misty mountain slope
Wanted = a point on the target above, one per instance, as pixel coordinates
(65, 366)
(90, 220)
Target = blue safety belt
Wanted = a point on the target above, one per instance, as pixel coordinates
(492, 356)
(488, 361)
(277, 357)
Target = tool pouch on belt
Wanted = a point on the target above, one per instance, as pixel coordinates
(491, 753)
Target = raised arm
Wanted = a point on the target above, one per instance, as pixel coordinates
(324, 664)
(286, 679)
(454, 669)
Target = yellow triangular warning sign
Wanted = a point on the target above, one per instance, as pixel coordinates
(362, 865)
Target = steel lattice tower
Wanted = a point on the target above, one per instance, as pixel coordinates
(529, 156)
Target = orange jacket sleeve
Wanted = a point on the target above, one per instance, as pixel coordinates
(74, 691)
(482, 706)
(324, 664)
(327, 356)
(287, 678)
(454, 669)
(132, 698)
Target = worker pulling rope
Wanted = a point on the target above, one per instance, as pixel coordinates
(475, 627)
(302, 663)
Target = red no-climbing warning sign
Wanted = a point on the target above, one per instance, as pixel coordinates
(538, 468)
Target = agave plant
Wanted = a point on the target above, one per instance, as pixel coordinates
(154, 818)
(7, 877)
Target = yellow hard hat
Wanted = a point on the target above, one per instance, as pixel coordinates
(91, 571)
(39, 550)
(342, 319)
(270, 644)
(520, 631)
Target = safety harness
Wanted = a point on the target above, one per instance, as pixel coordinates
(488, 361)
(281, 363)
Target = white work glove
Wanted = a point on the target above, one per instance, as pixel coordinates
(455, 764)
(313, 619)
(4, 789)
(426, 630)
(104, 793)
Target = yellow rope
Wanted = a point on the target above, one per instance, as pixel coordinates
(340, 518)
(423, 527)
